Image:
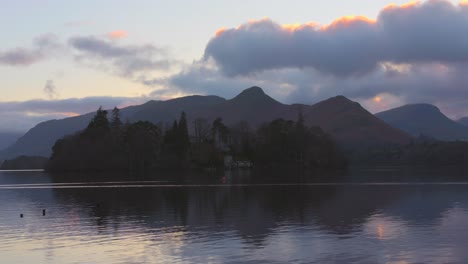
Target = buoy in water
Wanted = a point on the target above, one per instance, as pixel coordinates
(43, 212)
(21, 215)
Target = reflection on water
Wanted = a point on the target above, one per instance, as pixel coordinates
(229, 218)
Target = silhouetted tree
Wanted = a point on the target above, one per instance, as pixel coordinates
(99, 121)
(242, 141)
(176, 144)
(284, 143)
(116, 122)
(220, 134)
(202, 130)
(183, 140)
(140, 147)
(143, 144)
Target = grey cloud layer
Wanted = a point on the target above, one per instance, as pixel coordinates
(432, 31)
(124, 60)
(445, 86)
(21, 116)
(43, 46)
(75, 105)
(134, 62)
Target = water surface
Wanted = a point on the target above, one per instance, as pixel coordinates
(232, 219)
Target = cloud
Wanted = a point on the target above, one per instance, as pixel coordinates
(42, 47)
(106, 53)
(50, 90)
(117, 34)
(21, 116)
(395, 85)
(433, 31)
(20, 57)
(128, 61)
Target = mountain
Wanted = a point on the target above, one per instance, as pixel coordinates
(168, 111)
(350, 124)
(253, 106)
(463, 121)
(39, 140)
(424, 119)
(344, 119)
(8, 138)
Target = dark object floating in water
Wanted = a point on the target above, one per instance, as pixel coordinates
(21, 215)
(43, 212)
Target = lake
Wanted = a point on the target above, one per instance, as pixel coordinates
(384, 216)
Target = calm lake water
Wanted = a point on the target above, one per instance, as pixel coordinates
(233, 218)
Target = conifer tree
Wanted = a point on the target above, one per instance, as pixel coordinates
(116, 122)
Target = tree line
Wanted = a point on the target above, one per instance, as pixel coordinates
(422, 151)
(112, 145)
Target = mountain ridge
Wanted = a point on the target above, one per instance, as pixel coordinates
(424, 120)
(463, 121)
(347, 121)
(350, 123)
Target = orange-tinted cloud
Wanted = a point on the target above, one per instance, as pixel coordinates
(417, 32)
(347, 21)
(220, 31)
(297, 26)
(61, 114)
(408, 5)
(117, 34)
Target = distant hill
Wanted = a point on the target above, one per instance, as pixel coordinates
(351, 124)
(344, 119)
(39, 139)
(8, 138)
(463, 121)
(426, 120)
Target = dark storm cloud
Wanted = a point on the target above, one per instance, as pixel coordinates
(42, 47)
(123, 60)
(432, 31)
(206, 80)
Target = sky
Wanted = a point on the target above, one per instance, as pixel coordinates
(64, 58)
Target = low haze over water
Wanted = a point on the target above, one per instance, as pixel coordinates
(232, 218)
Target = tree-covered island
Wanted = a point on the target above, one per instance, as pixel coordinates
(112, 145)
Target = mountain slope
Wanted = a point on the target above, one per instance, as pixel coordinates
(424, 119)
(350, 124)
(39, 140)
(8, 138)
(345, 120)
(251, 105)
(463, 121)
(168, 111)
